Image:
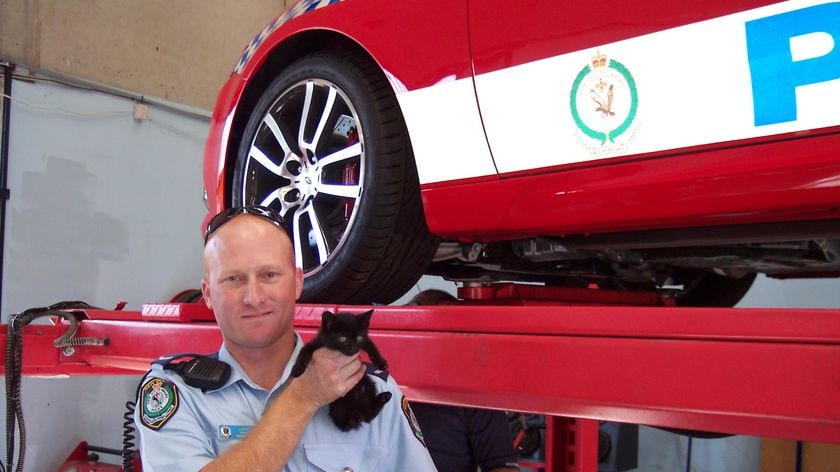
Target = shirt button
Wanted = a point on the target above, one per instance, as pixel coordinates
(347, 469)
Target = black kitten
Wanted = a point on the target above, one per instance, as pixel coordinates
(348, 333)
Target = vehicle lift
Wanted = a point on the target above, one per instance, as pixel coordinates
(576, 355)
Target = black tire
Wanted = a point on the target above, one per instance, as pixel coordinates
(356, 220)
(705, 289)
(432, 297)
(190, 295)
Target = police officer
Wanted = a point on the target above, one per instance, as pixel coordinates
(261, 419)
(463, 439)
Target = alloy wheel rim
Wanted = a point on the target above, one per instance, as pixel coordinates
(307, 161)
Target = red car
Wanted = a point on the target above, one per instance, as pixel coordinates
(651, 145)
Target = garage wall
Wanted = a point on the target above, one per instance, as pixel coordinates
(181, 51)
(103, 208)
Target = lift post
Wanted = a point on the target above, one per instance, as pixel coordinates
(764, 372)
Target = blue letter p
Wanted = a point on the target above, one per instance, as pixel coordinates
(775, 75)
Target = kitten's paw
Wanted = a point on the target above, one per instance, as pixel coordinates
(383, 397)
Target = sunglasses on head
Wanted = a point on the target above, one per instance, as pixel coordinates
(228, 214)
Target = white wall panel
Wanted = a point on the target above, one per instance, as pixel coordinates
(103, 208)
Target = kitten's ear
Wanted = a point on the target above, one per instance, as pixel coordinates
(365, 317)
(327, 319)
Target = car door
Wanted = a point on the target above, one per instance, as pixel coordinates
(563, 83)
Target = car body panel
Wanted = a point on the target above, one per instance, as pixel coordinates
(697, 158)
(217, 147)
(548, 28)
(393, 44)
(702, 188)
(692, 85)
(445, 129)
(407, 65)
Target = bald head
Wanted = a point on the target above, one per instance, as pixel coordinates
(249, 234)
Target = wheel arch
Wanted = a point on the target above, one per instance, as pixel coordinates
(393, 233)
(280, 56)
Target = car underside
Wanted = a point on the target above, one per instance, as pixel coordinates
(668, 261)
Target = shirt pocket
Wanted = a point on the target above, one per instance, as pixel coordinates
(341, 457)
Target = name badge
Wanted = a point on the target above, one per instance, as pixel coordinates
(233, 431)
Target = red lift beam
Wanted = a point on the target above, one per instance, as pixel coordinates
(764, 372)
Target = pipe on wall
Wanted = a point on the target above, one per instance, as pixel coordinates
(4, 162)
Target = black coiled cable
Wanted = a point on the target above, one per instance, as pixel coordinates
(14, 364)
(128, 451)
(14, 410)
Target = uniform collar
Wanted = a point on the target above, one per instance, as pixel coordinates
(238, 373)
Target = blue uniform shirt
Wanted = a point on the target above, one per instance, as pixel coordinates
(462, 439)
(182, 428)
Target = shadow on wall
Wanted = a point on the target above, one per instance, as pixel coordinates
(74, 237)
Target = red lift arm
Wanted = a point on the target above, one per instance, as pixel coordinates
(764, 372)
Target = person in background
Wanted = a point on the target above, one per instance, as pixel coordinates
(463, 439)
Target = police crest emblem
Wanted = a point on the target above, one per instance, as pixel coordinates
(412, 421)
(604, 102)
(159, 400)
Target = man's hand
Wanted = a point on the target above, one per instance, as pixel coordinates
(330, 375)
(269, 445)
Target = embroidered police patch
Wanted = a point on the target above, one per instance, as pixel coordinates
(412, 421)
(159, 399)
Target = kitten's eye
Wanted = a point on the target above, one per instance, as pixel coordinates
(342, 339)
(360, 338)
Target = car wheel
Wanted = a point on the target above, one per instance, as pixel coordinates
(326, 146)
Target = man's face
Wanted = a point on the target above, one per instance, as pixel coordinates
(251, 283)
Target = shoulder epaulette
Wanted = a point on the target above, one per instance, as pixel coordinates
(371, 369)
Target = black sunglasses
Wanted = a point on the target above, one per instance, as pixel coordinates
(228, 214)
